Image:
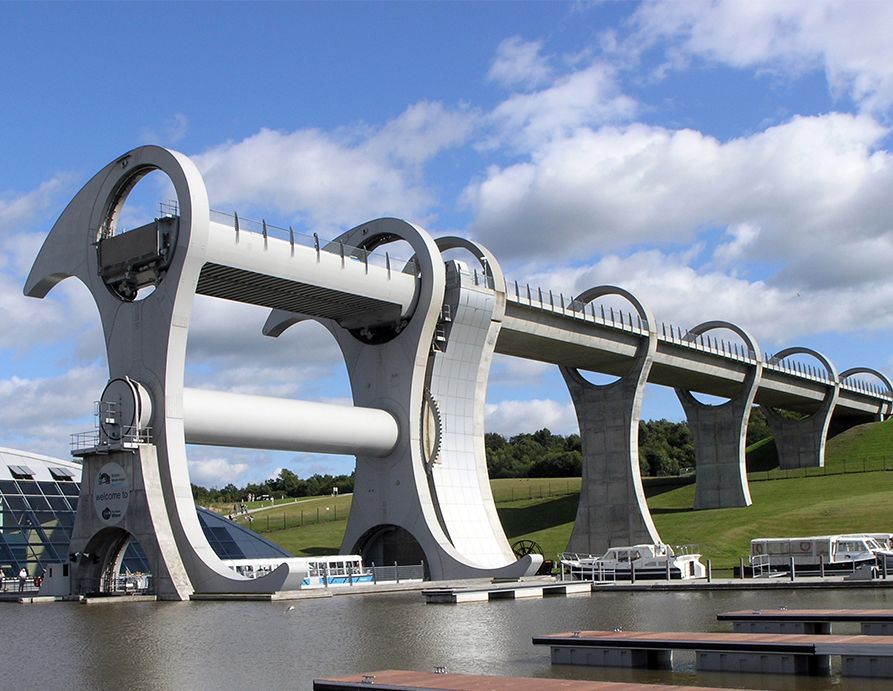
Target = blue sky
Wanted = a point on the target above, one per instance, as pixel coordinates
(721, 160)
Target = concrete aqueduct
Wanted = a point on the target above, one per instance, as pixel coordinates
(417, 339)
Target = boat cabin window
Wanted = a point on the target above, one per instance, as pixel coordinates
(851, 546)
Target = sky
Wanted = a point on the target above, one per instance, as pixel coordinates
(719, 159)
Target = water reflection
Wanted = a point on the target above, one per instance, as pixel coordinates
(217, 645)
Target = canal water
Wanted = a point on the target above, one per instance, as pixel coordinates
(285, 645)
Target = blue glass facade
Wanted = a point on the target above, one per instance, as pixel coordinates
(38, 503)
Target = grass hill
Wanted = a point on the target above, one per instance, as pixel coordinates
(853, 493)
(868, 447)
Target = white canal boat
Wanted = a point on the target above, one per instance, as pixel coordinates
(830, 553)
(635, 561)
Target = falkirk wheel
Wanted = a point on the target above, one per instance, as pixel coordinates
(417, 340)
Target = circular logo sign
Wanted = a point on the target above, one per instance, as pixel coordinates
(111, 493)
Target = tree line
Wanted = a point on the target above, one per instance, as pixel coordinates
(285, 484)
(665, 448)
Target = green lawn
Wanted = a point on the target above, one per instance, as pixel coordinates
(852, 494)
(859, 449)
(854, 502)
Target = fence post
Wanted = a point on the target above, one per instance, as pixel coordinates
(741, 567)
(374, 575)
(822, 566)
(709, 571)
(792, 568)
(396, 572)
(632, 573)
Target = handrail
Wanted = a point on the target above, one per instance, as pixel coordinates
(266, 230)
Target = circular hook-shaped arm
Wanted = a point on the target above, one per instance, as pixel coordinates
(489, 263)
(745, 335)
(803, 350)
(642, 310)
(885, 380)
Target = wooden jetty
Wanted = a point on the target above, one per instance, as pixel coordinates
(861, 655)
(873, 622)
(504, 591)
(398, 680)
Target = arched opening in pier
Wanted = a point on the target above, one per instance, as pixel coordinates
(389, 545)
(113, 562)
(138, 234)
(723, 343)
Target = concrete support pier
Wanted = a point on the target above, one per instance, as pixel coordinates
(427, 499)
(719, 432)
(801, 443)
(612, 509)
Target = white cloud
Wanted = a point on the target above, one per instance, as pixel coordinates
(20, 210)
(519, 63)
(216, 472)
(514, 417)
(335, 180)
(39, 413)
(679, 294)
(587, 97)
(815, 187)
(848, 39)
(741, 238)
(421, 132)
(68, 314)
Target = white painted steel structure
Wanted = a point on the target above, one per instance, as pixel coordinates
(417, 338)
(219, 418)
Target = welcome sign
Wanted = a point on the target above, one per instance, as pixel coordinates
(111, 493)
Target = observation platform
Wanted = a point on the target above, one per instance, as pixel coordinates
(873, 622)
(861, 656)
(402, 680)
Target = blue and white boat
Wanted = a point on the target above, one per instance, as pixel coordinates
(319, 572)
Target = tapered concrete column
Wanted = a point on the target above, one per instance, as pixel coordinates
(612, 509)
(801, 443)
(719, 432)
